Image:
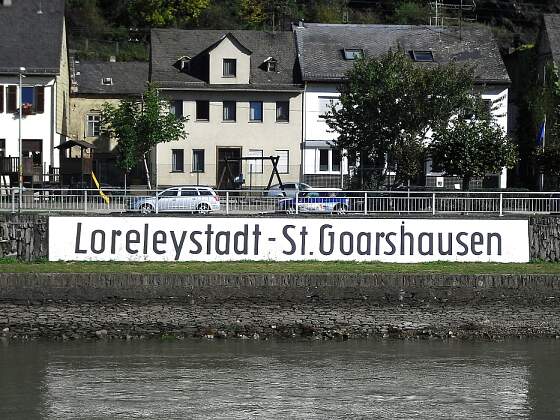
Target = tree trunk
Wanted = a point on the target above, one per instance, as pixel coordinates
(148, 179)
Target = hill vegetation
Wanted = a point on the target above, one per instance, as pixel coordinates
(101, 28)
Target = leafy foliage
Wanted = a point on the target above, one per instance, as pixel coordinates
(164, 13)
(139, 126)
(412, 13)
(472, 147)
(388, 107)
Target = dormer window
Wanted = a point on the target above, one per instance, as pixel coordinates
(230, 67)
(183, 63)
(270, 64)
(353, 53)
(422, 56)
(107, 81)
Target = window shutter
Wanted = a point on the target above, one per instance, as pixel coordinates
(1, 100)
(40, 100)
(11, 103)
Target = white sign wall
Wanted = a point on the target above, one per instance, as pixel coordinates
(283, 239)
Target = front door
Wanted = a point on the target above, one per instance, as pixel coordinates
(224, 177)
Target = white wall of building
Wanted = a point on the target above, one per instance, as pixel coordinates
(34, 127)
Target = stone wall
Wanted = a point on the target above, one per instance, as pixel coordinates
(26, 237)
(259, 306)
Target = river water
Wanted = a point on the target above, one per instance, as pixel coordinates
(236, 379)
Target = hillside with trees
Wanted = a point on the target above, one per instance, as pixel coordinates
(101, 28)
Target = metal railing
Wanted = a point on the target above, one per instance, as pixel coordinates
(254, 202)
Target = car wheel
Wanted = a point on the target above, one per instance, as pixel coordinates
(203, 208)
(340, 209)
(291, 210)
(146, 208)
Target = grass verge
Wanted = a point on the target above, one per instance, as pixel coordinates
(13, 266)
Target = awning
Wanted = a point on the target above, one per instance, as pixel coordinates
(71, 143)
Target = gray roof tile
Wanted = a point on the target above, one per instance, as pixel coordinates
(321, 59)
(168, 45)
(29, 39)
(129, 78)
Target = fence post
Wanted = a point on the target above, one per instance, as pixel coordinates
(365, 203)
(227, 202)
(85, 201)
(297, 202)
(157, 203)
(501, 204)
(433, 203)
(13, 200)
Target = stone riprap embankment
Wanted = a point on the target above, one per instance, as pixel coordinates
(131, 306)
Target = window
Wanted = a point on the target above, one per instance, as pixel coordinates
(11, 98)
(107, 81)
(256, 166)
(33, 99)
(323, 160)
(170, 193)
(336, 159)
(326, 103)
(202, 110)
(176, 108)
(198, 160)
(353, 53)
(189, 192)
(283, 162)
(282, 111)
(256, 111)
(230, 67)
(229, 110)
(1, 99)
(177, 160)
(422, 56)
(270, 64)
(488, 105)
(93, 125)
(2, 148)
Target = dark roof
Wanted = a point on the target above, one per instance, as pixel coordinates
(129, 78)
(169, 45)
(74, 142)
(552, 28)
(29, 39)
(320, 47)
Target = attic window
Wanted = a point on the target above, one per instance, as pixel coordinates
(270, 64)
(353, 53)
(422, 56)
(107, 81)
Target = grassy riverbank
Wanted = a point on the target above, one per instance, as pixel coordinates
(13, 266)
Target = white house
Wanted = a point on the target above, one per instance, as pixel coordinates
(327, 51)
(33, 45)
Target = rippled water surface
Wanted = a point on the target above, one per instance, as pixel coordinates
(277, 380)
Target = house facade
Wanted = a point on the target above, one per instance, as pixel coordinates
(33, 46)
(326, 52)
(242, 97)
(93, 85)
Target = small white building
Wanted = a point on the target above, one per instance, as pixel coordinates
(326, 52)
(33, 45)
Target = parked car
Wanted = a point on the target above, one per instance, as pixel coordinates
(288, 189)
(190, 199)
(316, 202)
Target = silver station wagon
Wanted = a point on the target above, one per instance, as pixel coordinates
(178, 199)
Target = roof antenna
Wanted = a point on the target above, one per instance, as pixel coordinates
(40, 11)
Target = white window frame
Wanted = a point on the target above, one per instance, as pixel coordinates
(93, 121)
(256, 165)
(281, 165)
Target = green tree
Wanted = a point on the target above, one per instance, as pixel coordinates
(140, 125)
(387, 108)
(412, 13)
(471, 147)
(164, 13)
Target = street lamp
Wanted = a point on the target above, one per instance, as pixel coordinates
(21, 76)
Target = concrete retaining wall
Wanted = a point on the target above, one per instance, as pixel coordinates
(26, 236)
(384, 288)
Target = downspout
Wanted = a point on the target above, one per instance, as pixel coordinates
(54, 117)
(303, 125)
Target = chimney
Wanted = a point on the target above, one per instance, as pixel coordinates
(112, 59)
(6, 3)
(300, 23)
